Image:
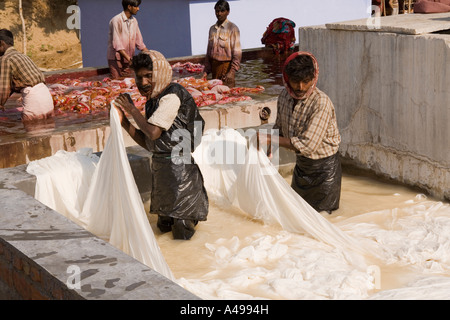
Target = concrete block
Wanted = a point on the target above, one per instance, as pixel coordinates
(403, 23)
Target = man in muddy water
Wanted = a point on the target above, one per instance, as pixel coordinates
(18, 73)
(224, 53)
(307, 124)
(178, 194)
(124, 37)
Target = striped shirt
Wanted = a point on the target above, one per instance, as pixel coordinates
(17, 71)
(224, 44)
(310, 124)
(124, 34)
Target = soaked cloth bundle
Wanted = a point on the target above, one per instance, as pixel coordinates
(37, 102)
(91, 97)
(101, 196)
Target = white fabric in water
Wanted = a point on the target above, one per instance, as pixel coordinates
(63, 181)
(220, 157)
(415, 240)
(413, 243)
(255, 186)
(109, 205)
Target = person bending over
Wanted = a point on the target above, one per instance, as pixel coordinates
(178, 194)
(18, 73)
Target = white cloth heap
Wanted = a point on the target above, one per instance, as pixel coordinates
(37, 101)
(101, 195)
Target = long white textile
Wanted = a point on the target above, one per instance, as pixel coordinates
(236, 172)
(412, 242)
(102, 197)
(311, 258)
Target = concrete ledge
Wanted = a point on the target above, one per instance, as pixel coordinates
(413, 24)
(403, 167)
(41, 251)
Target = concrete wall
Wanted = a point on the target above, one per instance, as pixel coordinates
(392, 97)
(179, 28)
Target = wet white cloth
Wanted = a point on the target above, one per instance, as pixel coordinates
(414, 241)
(310, 259)
(246, 178)
(63, 181)
(274, 264)
(102, 196)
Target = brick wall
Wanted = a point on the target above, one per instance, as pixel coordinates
(23, 279)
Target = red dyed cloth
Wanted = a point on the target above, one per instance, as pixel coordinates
(280, 35)
(432, 6)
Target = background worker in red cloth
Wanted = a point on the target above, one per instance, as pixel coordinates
(280, 35)
(123, 39)
(18, 73)
(224, 53)
(307, 124)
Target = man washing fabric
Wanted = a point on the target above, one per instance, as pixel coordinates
(19, 74)
(124, 37)
(307, 124)
(178, 193)
(224, 53)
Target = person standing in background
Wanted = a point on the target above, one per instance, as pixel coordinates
(124, 37)
(224, 53)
